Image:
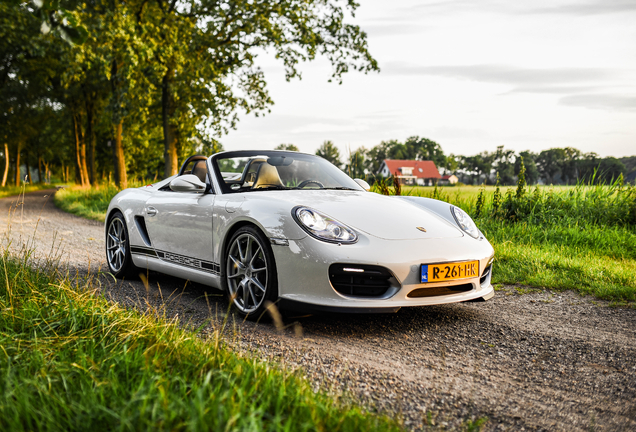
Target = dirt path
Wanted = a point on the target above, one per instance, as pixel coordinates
(538, 361)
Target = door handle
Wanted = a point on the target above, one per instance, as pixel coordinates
(151, 211)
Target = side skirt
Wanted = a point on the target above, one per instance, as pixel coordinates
(188, 268)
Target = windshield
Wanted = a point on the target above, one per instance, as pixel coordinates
(247, 171)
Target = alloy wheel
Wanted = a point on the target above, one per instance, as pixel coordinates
(247, 273)
(116, 244)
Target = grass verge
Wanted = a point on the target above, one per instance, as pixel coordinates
(69, 360)
(566, 258)
(90, 203)
(17, 190)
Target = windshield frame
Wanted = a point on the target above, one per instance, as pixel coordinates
(225, 189)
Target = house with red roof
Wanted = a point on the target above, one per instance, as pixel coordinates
(411, 172)
(448, 180)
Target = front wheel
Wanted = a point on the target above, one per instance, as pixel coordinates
(250, 272)
(118, 247)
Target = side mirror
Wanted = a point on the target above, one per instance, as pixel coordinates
(363, 184)
(187, 183)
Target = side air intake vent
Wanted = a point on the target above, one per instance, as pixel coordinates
(486, 275)
(141, 226)
(359, 280)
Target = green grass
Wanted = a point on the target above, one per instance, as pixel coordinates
(70, 360)
(590, 260)
(568, 237)
(17, 190)
(90, 203)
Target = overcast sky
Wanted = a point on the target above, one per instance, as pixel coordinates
(470, 75)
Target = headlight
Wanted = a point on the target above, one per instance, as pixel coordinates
(465, 222)
(323, 227)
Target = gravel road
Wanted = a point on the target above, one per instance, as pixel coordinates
(540, 360)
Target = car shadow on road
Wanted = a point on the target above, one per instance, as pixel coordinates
(195, 302)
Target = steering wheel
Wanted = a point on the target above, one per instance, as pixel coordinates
(304, 183)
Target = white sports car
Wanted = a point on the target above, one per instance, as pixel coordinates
(292, 229)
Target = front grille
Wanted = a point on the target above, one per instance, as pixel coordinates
(359, 280)
(440, 291)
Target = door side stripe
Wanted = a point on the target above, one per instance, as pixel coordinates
(182, 260)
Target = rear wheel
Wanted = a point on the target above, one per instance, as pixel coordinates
(118, 247)
(250, 272)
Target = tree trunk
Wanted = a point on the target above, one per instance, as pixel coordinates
(118, 155)
(47, 172)
(17, 165)
(80, 151)
(6, 165)
(28, 168)
(39, 169)
(90, 137)
(170, 134)
(118, 147)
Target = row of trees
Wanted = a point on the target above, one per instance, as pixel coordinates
(111, 87)
(557, 165)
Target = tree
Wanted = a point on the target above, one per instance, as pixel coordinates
(378, 154)
(214, 73)
(19, 45)
(569, 167)
(330, 152)
(478, 165)
(355, 165)
(600, 170)
(550, 162)
(451, 164)
(504, 164)
(150, 79)
(117, 46)
(424, 149)
(288, 147)
(532, 173)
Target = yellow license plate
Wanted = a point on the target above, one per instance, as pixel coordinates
(449, 271)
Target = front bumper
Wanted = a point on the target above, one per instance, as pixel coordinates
(303, 271)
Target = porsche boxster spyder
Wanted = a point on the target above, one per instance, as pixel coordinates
(294, 230)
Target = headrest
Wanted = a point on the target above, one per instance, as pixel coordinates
(200, 170)
(267, 176)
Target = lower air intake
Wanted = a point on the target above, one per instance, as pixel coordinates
(359, 280)
(440, 291)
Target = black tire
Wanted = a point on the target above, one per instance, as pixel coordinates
(250, 275)
(118, 247)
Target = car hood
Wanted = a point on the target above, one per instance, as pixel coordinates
(381, 216)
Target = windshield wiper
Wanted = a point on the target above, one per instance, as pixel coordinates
(340, 188)
(272, 187)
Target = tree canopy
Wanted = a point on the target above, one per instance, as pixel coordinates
(116, 79)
